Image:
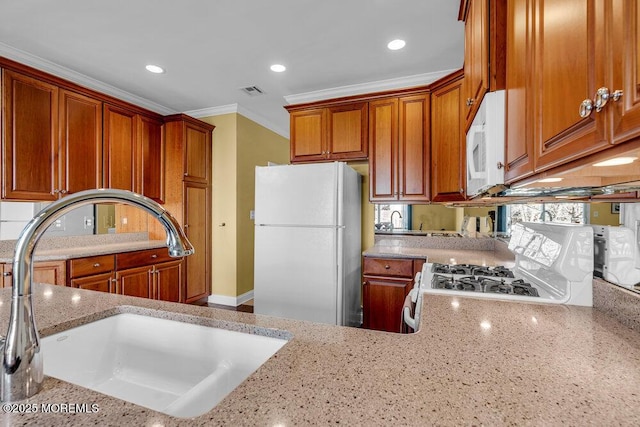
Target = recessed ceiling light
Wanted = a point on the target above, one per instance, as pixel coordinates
(278, 68)
(154, 69)
(550, 180)
(396, 44)
(616, 161)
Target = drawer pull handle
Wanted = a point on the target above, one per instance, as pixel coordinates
(387, 266)
(6, 274)
(97, 264)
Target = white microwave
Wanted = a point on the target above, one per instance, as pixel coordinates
(485, 145)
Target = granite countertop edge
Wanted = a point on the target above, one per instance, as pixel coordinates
(63, 254)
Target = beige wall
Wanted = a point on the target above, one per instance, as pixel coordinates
(367, 208)
(600, 213)
(433, 217)
(239, 145)
(257, 145)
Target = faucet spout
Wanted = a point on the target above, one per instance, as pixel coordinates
(22, 367)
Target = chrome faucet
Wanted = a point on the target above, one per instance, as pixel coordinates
(22, 369)
(391, 218)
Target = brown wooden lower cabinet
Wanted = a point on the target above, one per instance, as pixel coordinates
(386, 282)
(97, 282)
(148, 273)
(50, 272)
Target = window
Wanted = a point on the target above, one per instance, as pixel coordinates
(573, 213)
(400, 214)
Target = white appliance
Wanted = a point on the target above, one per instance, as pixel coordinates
(554, 264)
(616, 255)
(308, 243)
(485, 145)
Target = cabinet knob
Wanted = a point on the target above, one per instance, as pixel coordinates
(387, 266)
(55, 191)
(470, 102)
(603, 96)
(6, 274)
(500, 165)
(154, 256)
(97, 264)
(186, 226)
(585, 108)
(63, 191)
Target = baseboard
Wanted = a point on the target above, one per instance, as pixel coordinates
(231, 301)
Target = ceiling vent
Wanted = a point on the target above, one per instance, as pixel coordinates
(252, 90)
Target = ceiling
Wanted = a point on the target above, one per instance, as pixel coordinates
(211, 49)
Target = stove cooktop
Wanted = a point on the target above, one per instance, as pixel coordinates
(472, 270)
(477, 278)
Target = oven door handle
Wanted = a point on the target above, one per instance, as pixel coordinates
(408, 320)
(407, 312)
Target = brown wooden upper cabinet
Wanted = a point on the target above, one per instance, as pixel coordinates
(484, 56)
(133, 152)
(572, 89)
(399, 155)
(337, 132)
(448, 163)
(52, 139)
(152, 157)
(120, 153)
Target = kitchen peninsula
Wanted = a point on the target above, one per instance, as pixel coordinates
(472, 362)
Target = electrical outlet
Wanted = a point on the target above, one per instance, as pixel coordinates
(88, 222)
(124, 220)
(595, 214)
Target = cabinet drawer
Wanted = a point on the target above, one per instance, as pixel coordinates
(388, 267)
(92, 265)
(141, 258)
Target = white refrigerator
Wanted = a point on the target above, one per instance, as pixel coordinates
(307, 243)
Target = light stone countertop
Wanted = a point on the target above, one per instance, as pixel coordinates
(61, 254)
(476, 362)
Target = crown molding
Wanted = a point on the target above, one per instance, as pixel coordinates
(370, 87)
(78, 78)
(236, 108)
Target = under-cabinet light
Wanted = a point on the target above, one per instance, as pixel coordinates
(550, 180)
(278, 68)
(616, 161)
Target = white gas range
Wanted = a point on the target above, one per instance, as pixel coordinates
(554, 264)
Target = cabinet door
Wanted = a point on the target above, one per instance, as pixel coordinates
(135, 282)
(168, 281)
(413, 148)
(476, 56)
(7, 277)
(382, 303)
(51, 272)
(197, 227)
(519, 151)
(448, 156)
(383, 149)
(197, 167)
(30, 138)
(119, 148)
(152, 155)
(80, 142)
(347, 132)
(568, 67)
(308, 135)
(624, 23)
(99, 282)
